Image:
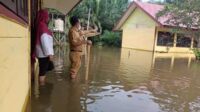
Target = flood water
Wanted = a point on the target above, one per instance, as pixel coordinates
(121, 80)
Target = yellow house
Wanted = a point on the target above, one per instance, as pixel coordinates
(16, 24)
(143, 31)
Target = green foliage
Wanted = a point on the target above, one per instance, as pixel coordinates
(54, 11)
(111, 11)
(197, 53)
(51, 24)
(111, 38)
(104, 13)
(183, 13)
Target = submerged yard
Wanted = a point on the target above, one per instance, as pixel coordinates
(122, 80)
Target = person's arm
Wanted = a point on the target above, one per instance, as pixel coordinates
(86, 32)
(75, 41)
(92, 34)
(47, 47)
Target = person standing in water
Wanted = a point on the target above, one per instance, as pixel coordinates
(76, 41)
(44, 44)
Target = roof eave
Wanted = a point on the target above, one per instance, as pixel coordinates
(120, 21)
(134, 5)
(63, 6)
(74, 7)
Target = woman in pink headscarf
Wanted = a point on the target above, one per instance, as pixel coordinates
(44, 44)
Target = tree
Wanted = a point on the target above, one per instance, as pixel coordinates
(183, 13)
(104, 12)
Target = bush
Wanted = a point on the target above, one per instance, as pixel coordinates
(111, 38)
(197, 53)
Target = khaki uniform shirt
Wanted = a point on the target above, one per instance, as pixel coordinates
(75, 40)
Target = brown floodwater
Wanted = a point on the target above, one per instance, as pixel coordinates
(121, 80)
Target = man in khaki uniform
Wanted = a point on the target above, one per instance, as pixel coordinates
(76, 41)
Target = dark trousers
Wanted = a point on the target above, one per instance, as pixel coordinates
(43, 65)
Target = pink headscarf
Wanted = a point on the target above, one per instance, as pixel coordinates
(41, 25)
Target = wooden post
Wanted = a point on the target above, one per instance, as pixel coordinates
(88, 23)
(189, 61)
(87, 63)
(192, 43)
(87, 50)
(55, 39)
(36, 79)
(53, 19)
(40, 4)
(198, 45)
(59, 37)
(153, 60)
(172, 63)
(156, 39)
(175, 40)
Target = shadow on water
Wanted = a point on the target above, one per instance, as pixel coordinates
(122, 80)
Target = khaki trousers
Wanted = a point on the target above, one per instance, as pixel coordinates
(75, 58)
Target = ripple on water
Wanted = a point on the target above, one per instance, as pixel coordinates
(118, 83)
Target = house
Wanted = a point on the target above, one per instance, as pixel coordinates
(141, 30)
(16, 25)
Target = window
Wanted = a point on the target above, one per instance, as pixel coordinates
(183, 40)
(195, 43)
(19, 7)
(11, 4)
(165, 39)
(34, 10)
(23, 9)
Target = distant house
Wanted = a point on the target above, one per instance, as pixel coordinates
(143, 31)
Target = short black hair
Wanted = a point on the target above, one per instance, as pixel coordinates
(74, 20)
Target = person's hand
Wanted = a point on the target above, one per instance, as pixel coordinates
(81, 33)
(51, 57)
(89, 42)
(93, 31)
(97, 33)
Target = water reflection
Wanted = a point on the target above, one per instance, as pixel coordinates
(123, 80)
(43, 102)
